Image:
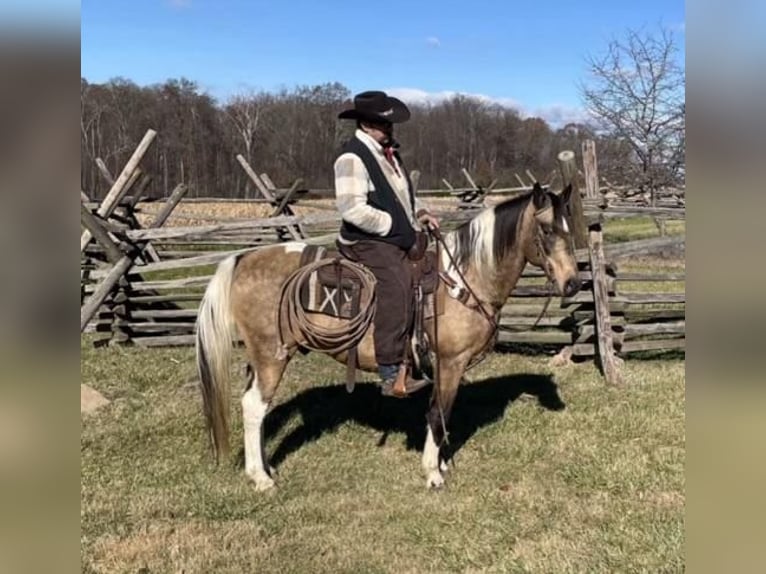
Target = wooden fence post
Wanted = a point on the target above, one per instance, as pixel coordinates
(610, 364)
(121, 313)
(468, 178)
(267, 181)
(590, 167)
(568, 170)
(119, 188)
(91, 223)
(103, 289)
(415, 179)
(283, 204)
(150, 254)
(104, 171)
(293, 230)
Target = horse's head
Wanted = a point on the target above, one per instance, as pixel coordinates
(552, 247)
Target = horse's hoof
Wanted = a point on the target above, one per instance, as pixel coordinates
(262, 483)
(435, 480)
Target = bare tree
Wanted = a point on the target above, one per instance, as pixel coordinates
(245, 112)
(295, 133)
(636, 93)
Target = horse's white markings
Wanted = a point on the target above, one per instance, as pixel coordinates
(481, 246)
(431, 463)
(253, 411)
(295, 247)
(483, 230)
(454, 292)
(564, 225)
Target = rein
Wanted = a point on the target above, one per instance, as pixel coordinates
(480, 304)
(548, 273)
(551, 281)
(440, 244)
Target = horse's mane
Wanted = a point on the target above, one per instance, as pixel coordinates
(487, 238)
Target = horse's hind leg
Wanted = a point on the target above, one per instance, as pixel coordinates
(264, 377)
(442, 400)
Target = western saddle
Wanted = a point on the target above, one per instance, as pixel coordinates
(333, 290)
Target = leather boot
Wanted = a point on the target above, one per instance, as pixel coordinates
(403, 385)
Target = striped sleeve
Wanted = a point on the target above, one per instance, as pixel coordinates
(351, 187)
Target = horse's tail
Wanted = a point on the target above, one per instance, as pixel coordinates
(215, 333)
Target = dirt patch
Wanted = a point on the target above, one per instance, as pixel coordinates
(91, 400)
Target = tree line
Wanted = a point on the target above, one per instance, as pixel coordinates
(295, 132)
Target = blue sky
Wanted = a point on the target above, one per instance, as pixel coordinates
(527, 54)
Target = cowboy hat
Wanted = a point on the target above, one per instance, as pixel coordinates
(376, 106)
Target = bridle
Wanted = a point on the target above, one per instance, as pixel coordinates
(480, 304)
(546, 264)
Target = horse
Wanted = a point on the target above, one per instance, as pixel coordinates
(486, 254)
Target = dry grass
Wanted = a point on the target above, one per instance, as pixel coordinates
(203, 213)
(553, 473)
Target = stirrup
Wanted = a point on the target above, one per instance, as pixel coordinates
(403, 385)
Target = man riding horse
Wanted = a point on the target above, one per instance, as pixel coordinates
(380, 217)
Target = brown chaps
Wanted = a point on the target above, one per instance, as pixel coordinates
(394, 316)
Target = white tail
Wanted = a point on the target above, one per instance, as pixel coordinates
(215, 334)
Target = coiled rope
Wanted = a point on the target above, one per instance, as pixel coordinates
(293, 318)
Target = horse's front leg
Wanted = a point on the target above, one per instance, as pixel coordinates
(442, 400)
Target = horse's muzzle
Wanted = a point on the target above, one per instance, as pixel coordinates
(572, 286)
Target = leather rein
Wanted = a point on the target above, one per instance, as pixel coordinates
(451, 283)
(481, 305)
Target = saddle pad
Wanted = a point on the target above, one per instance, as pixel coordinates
(331, 290)
(338, 296)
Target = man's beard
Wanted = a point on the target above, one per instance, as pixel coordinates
(389, 141)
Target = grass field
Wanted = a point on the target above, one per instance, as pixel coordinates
(553, 472)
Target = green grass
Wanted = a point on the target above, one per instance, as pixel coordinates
(595, 486)
(617, 230)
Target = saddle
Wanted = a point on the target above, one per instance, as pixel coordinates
(334, 291)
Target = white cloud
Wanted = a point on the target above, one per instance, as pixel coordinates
(557, 115)
(433, 41)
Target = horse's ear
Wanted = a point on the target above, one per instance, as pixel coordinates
(539, 196)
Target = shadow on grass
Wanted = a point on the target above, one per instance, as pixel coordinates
(323, 409)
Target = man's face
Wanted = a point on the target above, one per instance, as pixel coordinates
(381, 132)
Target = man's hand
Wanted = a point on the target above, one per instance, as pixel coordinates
(428, 220)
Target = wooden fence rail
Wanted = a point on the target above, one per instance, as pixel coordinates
(132, 295)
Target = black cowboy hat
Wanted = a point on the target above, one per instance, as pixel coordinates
(377, 107)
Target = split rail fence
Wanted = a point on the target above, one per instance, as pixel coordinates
(141, 284)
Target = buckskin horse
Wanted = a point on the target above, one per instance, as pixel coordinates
(490, 251)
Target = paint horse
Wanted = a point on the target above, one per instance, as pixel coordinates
(491, 250)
